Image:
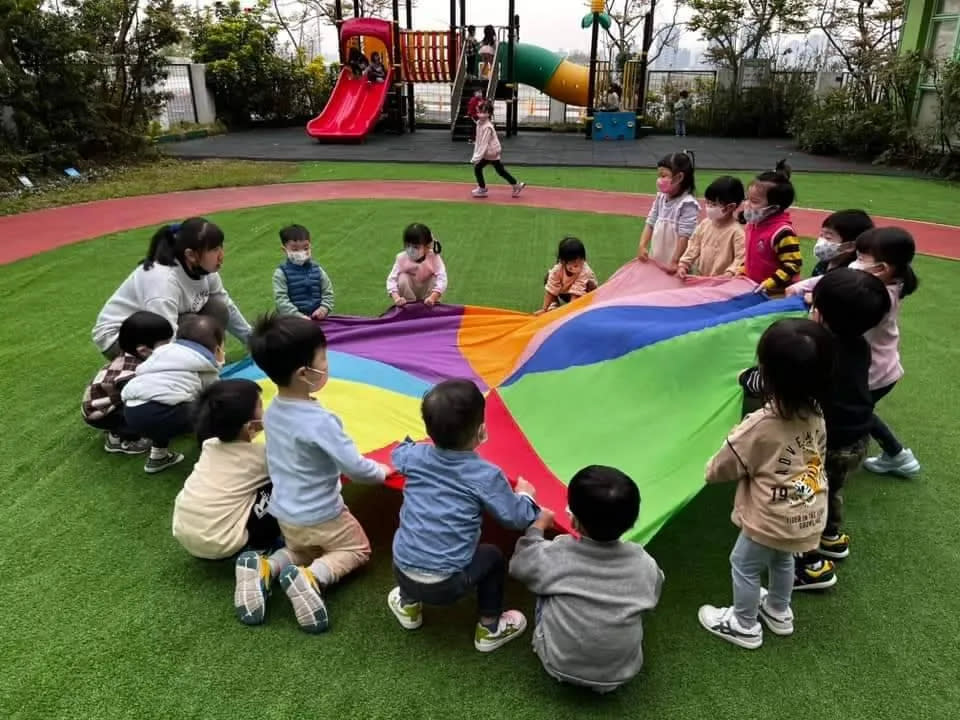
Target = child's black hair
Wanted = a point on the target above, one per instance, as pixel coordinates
(681, 162)
(796, 363)
(726, 190)
(224, 408)
(489, 33)
(571, 249)
(294, 233)
(143, 328)
(282, 344)
(848, 224)
(419, 235)
(605, 502)
(616, 88)
(471, 29)
(204, 330)
(851, 302)
(169, 244)
(780, 190)
(453, 412)
(895, 247)
(486, 106)
(375, 56)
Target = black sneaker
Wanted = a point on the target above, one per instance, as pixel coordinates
(816, 575)
(155, 465)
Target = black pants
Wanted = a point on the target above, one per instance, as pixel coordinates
(263, 531)
(879, 431)
(486, 572)
(161, 423)
(116, 424)
(498, 166)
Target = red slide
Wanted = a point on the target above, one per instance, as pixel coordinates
(352, 110)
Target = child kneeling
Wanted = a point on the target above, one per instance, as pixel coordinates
(437, 556)
(592, 590)
(222, 507)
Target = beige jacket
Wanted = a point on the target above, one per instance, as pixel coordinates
(781, 499)
(211, 511)
(715, 250)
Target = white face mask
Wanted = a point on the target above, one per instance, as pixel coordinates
(415, 253)
(826, 250)
(715, 212)
(860, 265)
(298, 257)
(758, 215)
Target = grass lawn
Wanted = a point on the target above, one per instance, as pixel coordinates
(910, 198)
(104, 616)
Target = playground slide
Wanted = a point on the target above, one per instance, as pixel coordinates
(352, 110)
(548, 72)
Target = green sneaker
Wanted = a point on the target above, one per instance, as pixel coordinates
(512, 624)
(409, 616)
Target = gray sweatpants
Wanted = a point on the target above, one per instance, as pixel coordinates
(747, 563)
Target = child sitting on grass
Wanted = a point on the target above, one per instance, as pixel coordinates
(159, 400)
(300, 286)
(307, 451)
(418, 273)
(102, 406)
(222, 507)
(776, 457)
(716, 247)
(570, 278)
(592, 591)
(437, 555)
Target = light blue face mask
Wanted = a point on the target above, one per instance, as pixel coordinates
(413, 252)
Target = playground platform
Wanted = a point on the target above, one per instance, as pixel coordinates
(528, 148)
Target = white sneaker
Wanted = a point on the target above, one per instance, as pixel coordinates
(301, 587)
(904, 464)
(777, 624)
(252, 574)
(410, 616)
(512, 624)
(479, 192)
(518, 188)
(722, 623)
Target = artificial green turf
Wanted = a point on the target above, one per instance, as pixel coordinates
(896, 197)
(103, 616)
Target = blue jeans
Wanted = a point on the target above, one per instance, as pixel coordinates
(486, 572)
(681, 126)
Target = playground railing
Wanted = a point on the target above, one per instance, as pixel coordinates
(494, 80)
(458, 84)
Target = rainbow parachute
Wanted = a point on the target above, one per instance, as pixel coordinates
(640, 374)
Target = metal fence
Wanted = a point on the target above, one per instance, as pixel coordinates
(180, 103)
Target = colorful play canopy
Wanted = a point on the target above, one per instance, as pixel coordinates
(640, 375)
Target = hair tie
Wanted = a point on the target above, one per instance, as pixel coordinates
(174, 227)
(693, 157)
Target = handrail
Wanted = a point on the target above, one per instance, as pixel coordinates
(494, 79)
(458, 84)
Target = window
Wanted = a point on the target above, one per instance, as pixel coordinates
(948, 7)
(943, 42)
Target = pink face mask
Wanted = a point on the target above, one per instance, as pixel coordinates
(665, 184)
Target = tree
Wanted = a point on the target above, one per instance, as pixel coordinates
(738, 29)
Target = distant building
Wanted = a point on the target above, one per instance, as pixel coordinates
(931, 26)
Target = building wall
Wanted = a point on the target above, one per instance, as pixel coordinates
(931, 26)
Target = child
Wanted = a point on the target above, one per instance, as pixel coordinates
(772, 255)
(300, 286)
(611, 101)
(836, 246)
(776, 457)
(159, 401)
(471, 50)
(716, 246)
(375, 72)
(592, 591)
(673, 217)
(307, 451)
(488, 48)
(437, 557)
(570, 278)
(357, 62)
(102, 405)
(418, 273)
(222, 507)
(848, 304)
(473, 112)
(488, 151)
(680, 109)
(179, 275)
(888, 254)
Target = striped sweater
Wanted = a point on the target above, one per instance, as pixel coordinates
(772, 256)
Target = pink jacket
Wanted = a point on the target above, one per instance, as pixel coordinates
(431, 267)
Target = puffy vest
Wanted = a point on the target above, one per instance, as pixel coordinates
(760, 261)
(304, 285)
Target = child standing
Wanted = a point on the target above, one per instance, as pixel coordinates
(180, 275)
(473, 112)
(471, 48)
(307, 451)
(222, 507)
(418, 273)
(680, 109)
(437, 557)
(772, 255)
(716, 246)
(673, 217)
(488, 48)
(776, 457)
(488, 151)
(592, 591)
(570, 278)
(159, 400)
(102, 405)
(836, 246)
(300, 286)
(888, 254)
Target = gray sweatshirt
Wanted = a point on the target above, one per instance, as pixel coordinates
(592, 595)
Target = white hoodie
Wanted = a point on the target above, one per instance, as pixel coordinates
(173, 374)
(169, 292)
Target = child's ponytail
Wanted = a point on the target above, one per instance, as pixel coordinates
(163, 247)
(780, 191)
(910, 281)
